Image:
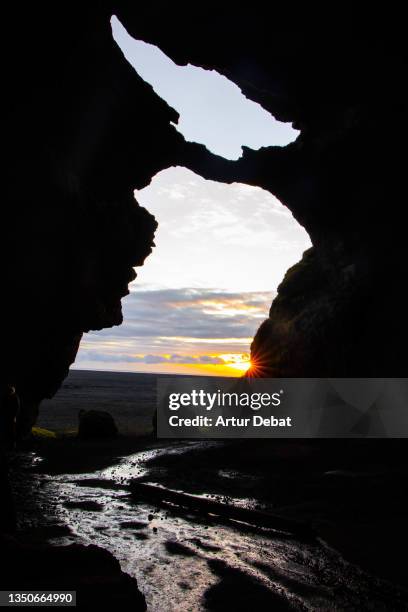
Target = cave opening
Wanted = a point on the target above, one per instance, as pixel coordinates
(222, 250)
(213, 110)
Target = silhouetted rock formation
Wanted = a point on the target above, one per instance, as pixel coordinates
(83, 131)
(96, 424)
(92, 572)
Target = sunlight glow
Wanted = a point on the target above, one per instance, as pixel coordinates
(237, 361)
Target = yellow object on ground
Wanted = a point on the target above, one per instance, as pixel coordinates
(43, 433)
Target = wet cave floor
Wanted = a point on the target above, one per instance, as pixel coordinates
(208, 525)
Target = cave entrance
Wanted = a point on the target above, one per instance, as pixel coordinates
(213, 110)
(221, 249)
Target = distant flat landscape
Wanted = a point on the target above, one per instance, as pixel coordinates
(129, 397)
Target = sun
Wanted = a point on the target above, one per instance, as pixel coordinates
(237, 361)
(243, 366)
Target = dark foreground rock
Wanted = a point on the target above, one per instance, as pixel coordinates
(240, 592)
(96, 424)
(92, 572)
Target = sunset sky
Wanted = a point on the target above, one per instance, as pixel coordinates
(221, 249)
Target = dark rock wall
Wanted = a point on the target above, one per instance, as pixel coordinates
(82, 131)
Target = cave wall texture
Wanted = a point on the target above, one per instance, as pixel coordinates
(82, 131)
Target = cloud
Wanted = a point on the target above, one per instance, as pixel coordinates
(154, 359)
(234, 236)
(89, 354)
(190, 313)
(208, 359)
(179, 326)
(95, 355)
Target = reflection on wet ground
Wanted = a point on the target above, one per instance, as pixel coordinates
(185, 560)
